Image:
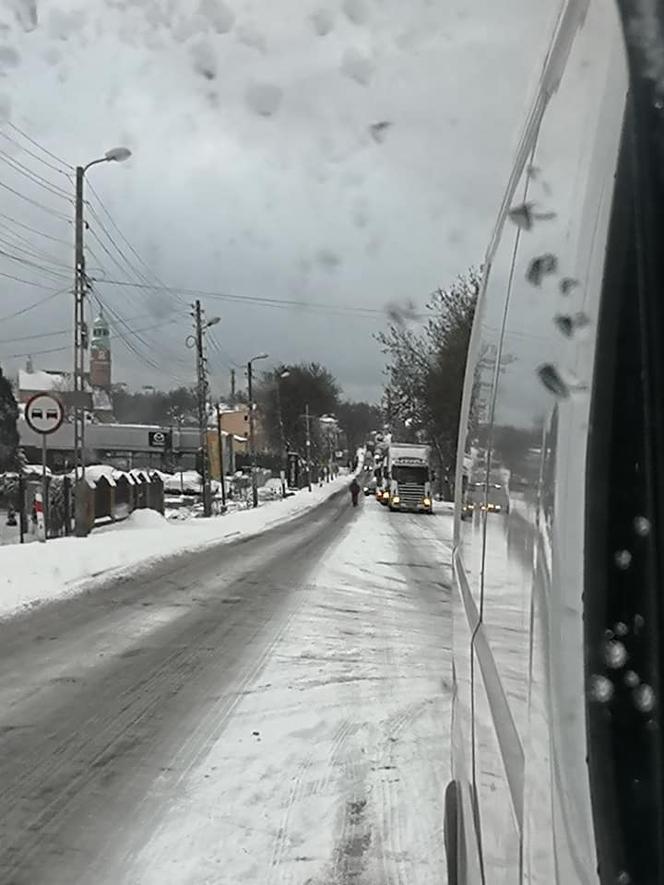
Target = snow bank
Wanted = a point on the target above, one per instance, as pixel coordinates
(36, 573)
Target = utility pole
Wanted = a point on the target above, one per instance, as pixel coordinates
(80, 346)
(220, 437)
(280, 375)
(252, 433)
(115, 155)
(202, 390)
(233, 387)
(252, 438)
(307, 418)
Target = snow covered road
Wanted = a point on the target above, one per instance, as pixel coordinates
(273, 711)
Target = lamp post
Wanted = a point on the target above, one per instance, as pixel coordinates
(252, 436)
(115, 155)
(279, 377)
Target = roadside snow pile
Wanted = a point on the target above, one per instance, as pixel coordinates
(31, 574)
(139, 519)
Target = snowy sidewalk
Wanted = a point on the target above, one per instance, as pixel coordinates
(35, 573)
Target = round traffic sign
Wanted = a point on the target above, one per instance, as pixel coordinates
(44, 413)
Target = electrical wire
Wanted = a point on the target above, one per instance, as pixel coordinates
(40, 335)
(127, 242)
(264, 301)
(146, 360)
(25, 282)
(33, 264)
(40, 146)
(24, 310)
(35, 178)
(68, 346)
(35, 230)
(33, 154)
(36, 203)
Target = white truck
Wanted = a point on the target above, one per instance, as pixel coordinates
(409, 477)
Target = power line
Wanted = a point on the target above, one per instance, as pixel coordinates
(137, 274)
(123, 237)
(40, 146)
(33, 252)
(35, 178)
(24, 310)
(25, 282)
(253, 299)
(146, 360)
(35, 230)
(40, 335)
(32, 153)
(34, 264)
(36, 203)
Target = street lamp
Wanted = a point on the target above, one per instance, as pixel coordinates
(252, 438)
(279, 377)
(114, 155)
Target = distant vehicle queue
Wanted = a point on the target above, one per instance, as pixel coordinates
(401, 478)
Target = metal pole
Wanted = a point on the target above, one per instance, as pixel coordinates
(21, 501)
(308, 442)
(252, 439)
(284, 454)
(202, 399)
(80, 344)
(45, 487)
(220, 437)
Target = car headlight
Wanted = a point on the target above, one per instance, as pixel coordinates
(396, 500)
(427, 502)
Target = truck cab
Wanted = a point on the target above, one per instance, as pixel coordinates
(409, 478)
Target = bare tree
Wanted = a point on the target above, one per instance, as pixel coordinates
(426, 368)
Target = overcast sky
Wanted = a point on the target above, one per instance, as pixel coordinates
(255, 171)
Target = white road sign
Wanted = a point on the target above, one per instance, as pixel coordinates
(44, 413)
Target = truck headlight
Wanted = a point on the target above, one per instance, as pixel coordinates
(396, 500)
(427, 502)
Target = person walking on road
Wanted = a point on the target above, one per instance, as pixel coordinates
(355, 491)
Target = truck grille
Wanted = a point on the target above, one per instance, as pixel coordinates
(411, 494)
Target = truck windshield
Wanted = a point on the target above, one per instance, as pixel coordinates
(419, 475)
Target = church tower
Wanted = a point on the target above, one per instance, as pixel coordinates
(100, 354)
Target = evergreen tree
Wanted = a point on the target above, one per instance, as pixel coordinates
(9, 438)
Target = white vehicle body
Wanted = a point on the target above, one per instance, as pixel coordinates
(557, 613)
(409, 477)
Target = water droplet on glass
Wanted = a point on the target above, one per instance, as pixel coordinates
(522, 216)
(567, 285)
(264, 98)
(644, 698)
(322, 21)
(642, 526)
(379, 130)
(623, 559)
(540, 267)
(639, 623)
(357, 66)
(601, 689)
(356, 11)
(623, 878)
(609, 634)
(621, 629)
(631, 679)
(615, 654)
(551, 379)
